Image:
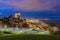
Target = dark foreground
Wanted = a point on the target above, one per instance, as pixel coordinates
(31, 37)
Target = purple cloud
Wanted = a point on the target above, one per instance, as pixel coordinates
(32, 5)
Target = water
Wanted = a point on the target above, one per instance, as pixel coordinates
(54, 21)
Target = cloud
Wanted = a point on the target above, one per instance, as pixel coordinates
(32, 5)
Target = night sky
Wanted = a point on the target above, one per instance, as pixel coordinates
(31, 8)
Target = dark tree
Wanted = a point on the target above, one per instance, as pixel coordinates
(25, 25)
(51, 24)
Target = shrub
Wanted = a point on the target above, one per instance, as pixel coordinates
(7, 32)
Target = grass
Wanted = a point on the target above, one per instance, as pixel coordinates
(31, 37)
(13, 36)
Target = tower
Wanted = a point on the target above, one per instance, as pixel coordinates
(17, 18)
(17, 15)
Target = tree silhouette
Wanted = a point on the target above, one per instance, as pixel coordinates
(51, 24)
(25, 25)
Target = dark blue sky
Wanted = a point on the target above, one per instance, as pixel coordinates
(31, 8)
